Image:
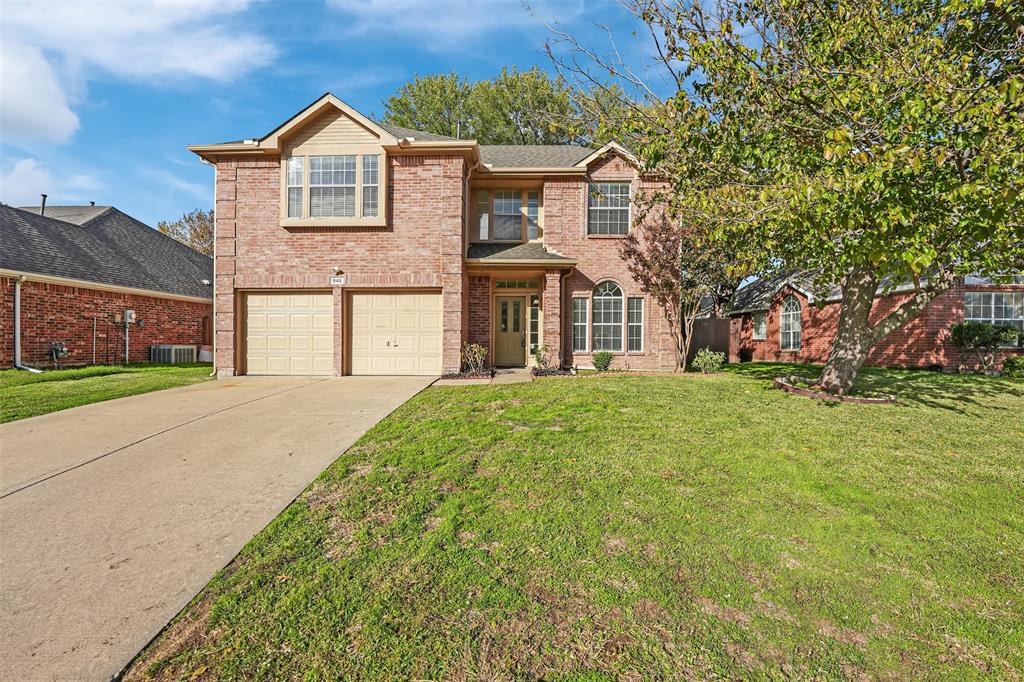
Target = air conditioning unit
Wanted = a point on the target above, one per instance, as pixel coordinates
(172, 355)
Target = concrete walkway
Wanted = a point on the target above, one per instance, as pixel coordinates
(114, 515)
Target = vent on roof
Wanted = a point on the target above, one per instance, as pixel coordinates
(172, 355)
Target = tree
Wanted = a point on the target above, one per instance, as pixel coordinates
(435, 104)
(681, 266)
(870, 143)
(516, 107)
(194, 229)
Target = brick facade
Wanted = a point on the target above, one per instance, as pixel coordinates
(420, 248)
(921, 342)
(53, 312)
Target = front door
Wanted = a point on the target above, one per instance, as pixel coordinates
(510, 335)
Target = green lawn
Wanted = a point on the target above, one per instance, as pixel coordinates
(23, 394)
(631, 527)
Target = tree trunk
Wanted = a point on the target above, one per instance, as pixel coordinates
(854, 335)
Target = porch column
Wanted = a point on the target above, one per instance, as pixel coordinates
(553, 315)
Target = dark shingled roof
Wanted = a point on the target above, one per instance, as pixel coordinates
(108, 248)
(527, 251)
(70, 214)
(533, 155)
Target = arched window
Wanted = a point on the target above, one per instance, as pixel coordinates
(607, 317)
(789, 323)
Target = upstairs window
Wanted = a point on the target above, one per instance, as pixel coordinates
(507, 215)
(332, 186)
(789, 324)
(608, 208)
(371, 185)
(296, 172)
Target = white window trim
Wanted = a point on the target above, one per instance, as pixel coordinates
(585, 323)
(799, 318)
(491, 217)
(357, 195)
(308, 150)
(629, 208)
(640, 324)
(361, 187)
(622, 322)
(991, 305)
(754, 334)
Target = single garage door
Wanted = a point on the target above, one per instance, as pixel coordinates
(396, 333)
(289, 334)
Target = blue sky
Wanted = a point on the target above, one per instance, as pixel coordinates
(99, 99)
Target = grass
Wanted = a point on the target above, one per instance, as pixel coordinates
(23, 394)
(640, 527)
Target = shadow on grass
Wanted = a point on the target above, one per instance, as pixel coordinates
(953, 392)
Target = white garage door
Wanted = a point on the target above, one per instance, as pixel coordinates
(289, 334)
(396, 334)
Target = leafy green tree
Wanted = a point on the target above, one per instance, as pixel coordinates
(194, 229)
(435, 104)
(516, 107)
(872, 143)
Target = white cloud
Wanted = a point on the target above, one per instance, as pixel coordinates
(34, 105)
(143, 41)
(22, 184)
(446, 25)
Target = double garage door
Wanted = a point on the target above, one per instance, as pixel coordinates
(391, 333)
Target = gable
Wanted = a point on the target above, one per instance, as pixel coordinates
(332, 127)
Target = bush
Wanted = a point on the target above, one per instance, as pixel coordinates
(708, 361)
(473, 356)
(1014, 367)
(541, 357)
(982, 338)
(602, 361)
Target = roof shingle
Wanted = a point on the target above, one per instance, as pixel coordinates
(526, 252)
(109, 248)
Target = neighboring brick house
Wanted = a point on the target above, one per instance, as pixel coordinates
(779, 319)
(80, 268)
(346, 246)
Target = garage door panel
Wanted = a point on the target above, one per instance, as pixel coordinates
(290, 333)
(396, 333)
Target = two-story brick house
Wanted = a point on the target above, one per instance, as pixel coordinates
(345, 246)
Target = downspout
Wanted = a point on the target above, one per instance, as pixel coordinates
(17, 328)
(213, 307)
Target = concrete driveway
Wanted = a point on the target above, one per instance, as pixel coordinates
(114, 515)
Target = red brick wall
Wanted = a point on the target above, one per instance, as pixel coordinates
(565, 231)
(921, 342)
(421, 247)
(479, 309)
(52, 312)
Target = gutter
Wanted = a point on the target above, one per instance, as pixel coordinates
(17, 328)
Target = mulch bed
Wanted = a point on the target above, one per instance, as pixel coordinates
(468, 375)
(537, 372)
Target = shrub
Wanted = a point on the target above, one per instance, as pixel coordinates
(541, 357)
(602, 361)
(1014, 367)
(982, 338)
(473, 356)
(708, 361)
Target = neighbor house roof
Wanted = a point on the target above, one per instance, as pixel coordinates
(515, 253)
(100, 244)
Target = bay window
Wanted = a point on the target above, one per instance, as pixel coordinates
(507, 215)
(319, 186)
